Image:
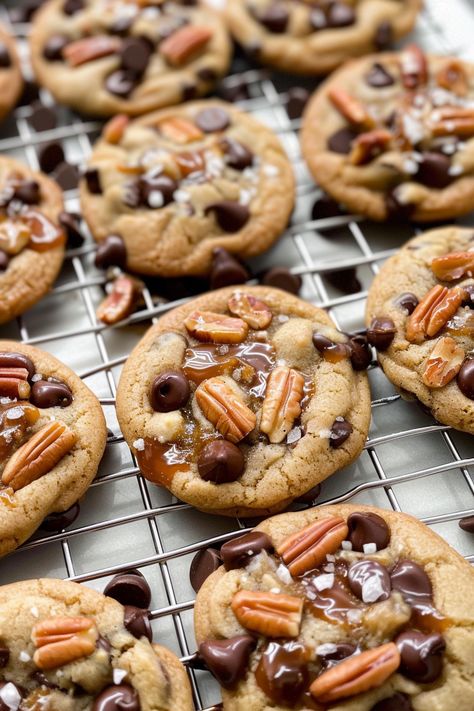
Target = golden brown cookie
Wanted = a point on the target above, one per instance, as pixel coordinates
(345, 607)
(103, 57)
(52, 437)
(65, 647)
(420, 318)
(392, 135)
(11, 78)
(242, 400)
(31, 241)
(178, 183)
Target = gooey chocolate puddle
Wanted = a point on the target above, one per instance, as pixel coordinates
(333, 604)
(282, 672)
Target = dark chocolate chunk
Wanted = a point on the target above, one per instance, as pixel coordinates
(189, 91)
(407, 301)
(111, 253)
(396, 210)
(129, 588)
(367, 527)
(5, 59)
(46, 394)
(4, 655)
(381, 333)
(53, 49)
(253, 49)
(465, 378)
(397, 702)
(369, 581)
(71, 7)
(120, 697)
(66, 175)
(282, 278)
(345, 280)
(135, 54)
(467, 524)
(207, 74)
(282, 672)
(340, 431)
(169, 391)
(274, 17)
(28, 191)
(310, 496)
(379, 77)
(230, 216)
(212, 119)
(321, 343)
(221, 462)
(341, 140)
(121, 82)
(10, 359)
(340, 15)
(361, 356)
(205, 562)
(235, 91)
(411, 580)
(58, 521)
(384, 37)
(227, 659)
(42, 118)
(237, 155)
(324, 207)
(137, 622)
(421, 655)
(433, 170)
(30, 94)
(331, 654)
(92, 178)
(226, 270)
(158, 191)
(297, 99)
(4, 261)
(70, 222)
(238, 552)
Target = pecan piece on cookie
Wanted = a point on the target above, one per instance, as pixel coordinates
(223, 407)
(115, 128)
(454, 265)
(179, 130)
(252, 310)
(308, 548)
(89, 48)
(433, 312)
(352, 109)
(413, 67)
(452, 76)
(216, 328)
(14, 383)
(61, 640)
(14, 236)
(369, 145)
(274, 615)
(180, 46)
(443, 364)
(282, 404)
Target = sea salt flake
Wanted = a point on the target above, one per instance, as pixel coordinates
(10, 696)
(119, 675)
(139, 444)
(325, 434)
(283, 318)
(36, 377)
(181, 196)
(410, 166)
(412, 129)
(245, 196)
(223, 350)
(328, 648)
(346, 545)
(324, 582)
(369, 548)
(372, 589)
(15, 413)
(275, 591)
(455, 170)
(24, 656)
(284, 574)
(155, 199)
(329, 568)
(34, 611)
(271, 171)
(293, 435)
(330, 558)
(354, 616)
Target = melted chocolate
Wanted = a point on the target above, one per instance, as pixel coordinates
(282, 672)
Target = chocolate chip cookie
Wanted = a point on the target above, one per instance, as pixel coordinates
(31, 240)
(64, 647)
(103, 57)
(420, 318)
(315, 37)
(243, 399)
(392, 136)
(348, 607)
(11, 79)
(179, 183)
(52, 437)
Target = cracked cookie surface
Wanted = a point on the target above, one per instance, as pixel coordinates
(420, 313)
(392, 136)
(52, 437)
(11, 79)
(103, 57)
(228, 403)
(65, 647)
(345, 607)
(178, 183)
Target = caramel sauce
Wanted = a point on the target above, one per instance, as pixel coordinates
(336, 353)
(461, 324)
(160, 462)
(15, 420)
(427, 618)
(7, 497)
(44, 234)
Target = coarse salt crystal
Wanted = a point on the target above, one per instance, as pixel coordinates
(34, 611)
(24, 656)
(329, 568)
(372, 589)
(249, 174)
(330, 558)
(119, 675)
(10, 696)
(449, 148)
(354, 616)
(293, 435)
(223, 350)
(413, 129)
(281, 362)
(284, 574)
(310, 595)
(139, 444)
(328, 648)
(323, 582)
(155, 199)
(5, 400)
(346, 546)
(15, 413)
(283, 318)
(369, 548)
(455, 170)
(410, 166)
(325, 434)
(245, 196)
(181, 196)
(36, 377)
(271, 171)
(275, 591)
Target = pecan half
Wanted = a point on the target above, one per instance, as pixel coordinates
(369, 145)
(115, 128)
(189, 162)
(433, 312)
(61, 640)
(89, 48)
(253, 311)
(223, 407)
(14, 236)
(179, 130)
(452, 121)
(180, 46)
(413, 67)
(352, 109)
(120, 302)
(270, 614)
(309, 547)
(282, 403)
(357, 674)
(208, 326)
(13, 383)
(453, 77)
(443, 364)
(39, 455)
(454, 265)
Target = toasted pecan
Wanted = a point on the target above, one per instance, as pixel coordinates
(282, 403)
(433, 312)
(309, 547)
(270, 614)
(223, 407)
(444, 363)
(61, 640)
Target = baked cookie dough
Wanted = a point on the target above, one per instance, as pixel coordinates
(345, 607)
(11, 78)
(64, 647)
(52, 437)
(103, 57)
(176, 184)
(31, 240)
(242, 400)
(313, 38)
(420, 317)
(392, 136)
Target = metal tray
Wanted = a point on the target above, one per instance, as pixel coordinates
(409, 464)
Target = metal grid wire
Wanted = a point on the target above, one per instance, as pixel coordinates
(410, 463)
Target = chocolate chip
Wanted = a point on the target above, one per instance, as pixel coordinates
(410, 579)
(340, 431)
(238, 552)
(407, 301)
(330, 654)
(53, 49)
(253, 49)
(189, 91)
(111, 253)
(282, 672)
(136, 621)
(169, 391)
(158, 191)
(465, 378)
(92, 178)
(297, 98)
(318, 19)
(4, 655)
(121, 26)
(4, 261)
(42, 118)
(230, 216)
(129, 588)
(205, 562)
(379, 77)
(361, 356)
(381, 333)
(135, 54)
(70, 222)
(274, 18)
(28, 192)
(341, 140)
(433, 170)
(30, 94)
(467, 524)
(345, 280)
(70, 7)
(321, 343)
(227, 659)
(120, 697)
(340, 15)
(282, 278)
(237, 91)
(310, 496)
(121, 83)
(237, 155)
(369, 581)
(66, 175)
(421, 655)
(58, 521)
(324, 207)
(220, 462)
(226, 270)
(367, 527)
(396, 210)
(212, 119)
(397, 702)
(383, 37)
(5, 59)
(10, 359)
(207, 74)
(46, 394)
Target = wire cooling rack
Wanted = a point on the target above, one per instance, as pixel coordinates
(410, 463)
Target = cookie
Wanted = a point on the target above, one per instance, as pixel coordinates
(31, 241)
(346, 606)
(11, 78)
(242, 400)
(104, 57)
(314, 38)
(52, 437)
(176, 184)
(392, 136)
(420, 318)
(64, 647)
